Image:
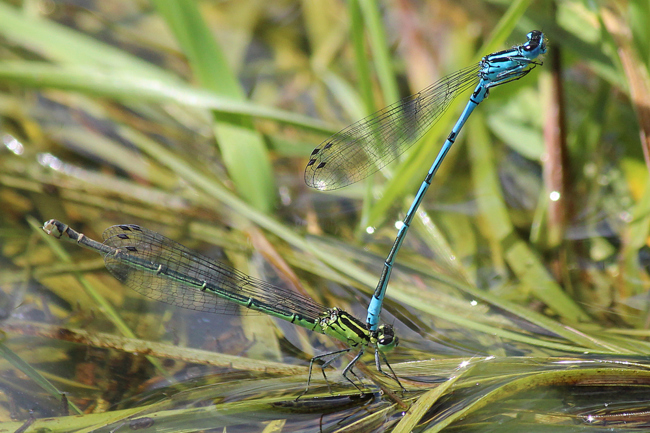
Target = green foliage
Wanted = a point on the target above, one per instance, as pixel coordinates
(525, 272)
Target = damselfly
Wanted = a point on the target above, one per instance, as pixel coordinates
(366, 146)
(162, 269)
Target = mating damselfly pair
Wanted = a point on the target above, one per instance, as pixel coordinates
(162, 269)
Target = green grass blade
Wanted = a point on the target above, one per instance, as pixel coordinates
(544, 379)
(62, 44)
(243, 148)
(126, 87)
(423, 404)
(524, 263)
(34, 375)
(382, 58)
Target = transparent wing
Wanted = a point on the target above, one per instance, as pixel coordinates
(139, 254)
(370, 144)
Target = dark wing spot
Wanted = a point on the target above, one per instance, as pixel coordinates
(311, 162)
(132, 249)
(321, 165)
(328, 145)
(123, 236)
(315, 151)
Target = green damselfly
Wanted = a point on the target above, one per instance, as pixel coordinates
(162, 269)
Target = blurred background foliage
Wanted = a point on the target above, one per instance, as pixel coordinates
(520, 295)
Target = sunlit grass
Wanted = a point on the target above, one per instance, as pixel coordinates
(196, 120)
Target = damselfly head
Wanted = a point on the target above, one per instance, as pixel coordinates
(536, 44)
(386, 338)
